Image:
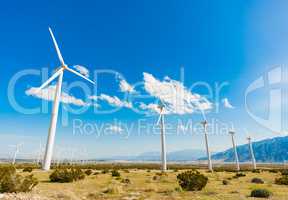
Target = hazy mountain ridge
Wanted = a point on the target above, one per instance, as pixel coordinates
(183, 155)
(268, 150)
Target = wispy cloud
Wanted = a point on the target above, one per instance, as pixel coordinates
(48, 94)
(114, 101)
(173, 93)
(152, 107)
(82, 70)
(126, 87)
(115, 129)
(227, 104)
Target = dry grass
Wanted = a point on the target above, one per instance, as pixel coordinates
(144, 186)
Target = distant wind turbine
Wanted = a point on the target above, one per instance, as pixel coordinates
(253, 160)
(232, 133)
(59, 73)
(252, 153)
(17, 149)
(205, 123)
(163, 142)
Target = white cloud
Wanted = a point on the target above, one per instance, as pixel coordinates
(48, 94)
(126, 87)
(177, 98)
(95, 98)
(114, 101)
(82, 70)
(152, 107)
(227, 104)
(114, 128)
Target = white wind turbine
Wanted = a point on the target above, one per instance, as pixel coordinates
(17, 149)
(232, 133)
(252, 153)
(254, 165)
(163, 142)
(54, 116)
(205, 123)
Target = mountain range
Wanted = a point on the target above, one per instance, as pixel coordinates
(273, 150)
(183, 155)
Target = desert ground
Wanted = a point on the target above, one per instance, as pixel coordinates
(148, 184)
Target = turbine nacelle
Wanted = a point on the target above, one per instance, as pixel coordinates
(232, 132)
(204, 123)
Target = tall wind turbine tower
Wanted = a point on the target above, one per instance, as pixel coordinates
(251, 153)
(163, 142)
(232, 133)
(210, 167)
(52, 130)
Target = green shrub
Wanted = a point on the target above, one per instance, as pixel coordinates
(256, 171)
(284, 172)
(156, 178)
(192, 180)
(105, 171)
(161, 174)
(12, 182)
(261, 193)
(28, 169)
(257, 181)
(273, 170)
(238, 175)
(282, 180)
(126, 171)
(66, 175)
(225, 182)
(115, 173)
(126, 181)
(88, 172)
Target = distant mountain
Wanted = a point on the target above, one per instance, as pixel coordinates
(184, 155)
(269, 150)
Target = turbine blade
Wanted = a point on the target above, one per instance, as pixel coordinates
(57, 48)
(50, 79)
(78, 74)
(159, 119)
(203, 115)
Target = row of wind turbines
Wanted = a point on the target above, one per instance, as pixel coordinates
(204, 123)
(54, 116)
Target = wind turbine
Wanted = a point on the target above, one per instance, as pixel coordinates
(232, 133)
(205, 123)
(254, 165)
(59, 73)
(17, 149)
(251, 153)
(163, 143)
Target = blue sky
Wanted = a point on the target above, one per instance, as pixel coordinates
(214, 41)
